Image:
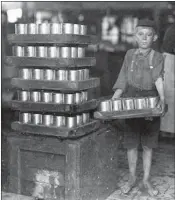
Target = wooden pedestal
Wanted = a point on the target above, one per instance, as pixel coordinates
(49, 168)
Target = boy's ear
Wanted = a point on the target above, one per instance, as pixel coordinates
(155, 37)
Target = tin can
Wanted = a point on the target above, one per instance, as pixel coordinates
(105, 106)
(37, 118)
(49, 74)
(140, 103)
(23, 95)
(20, 28)
(73, 75)
(30, 51)
(60, 121)
(76, 29)
(35, 96)
(18, 51)
(84, 96)
(74, 52)
(128, 104)
(48, 120)
(67, 28)
(79, 119)
(56, 28)
(81, 52)
(152, 102)
(31, 28)
(71, 122)
(77, 97)
(37, 74)
(25, 118)
(86, 74)
(62, 75)
(80, 74)
(53, 52)
(86, 118)
(58, 98)
(44, 28)
(25, 73)
(69, 98)
(65, 52)
(47, 97)
(83, 30)
(41, 51)
(117, 105)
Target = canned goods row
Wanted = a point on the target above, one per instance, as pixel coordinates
(49, 52)
(50, 74)
(49, 97)
(54, 28)
(128, 104)
(54, 120)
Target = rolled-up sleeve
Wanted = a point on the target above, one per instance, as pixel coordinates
(121, 81)
(158, 70)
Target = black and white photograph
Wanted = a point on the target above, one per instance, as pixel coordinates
(87, 100)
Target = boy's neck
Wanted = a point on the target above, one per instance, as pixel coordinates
(144, 51)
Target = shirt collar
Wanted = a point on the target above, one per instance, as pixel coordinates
(143, 54)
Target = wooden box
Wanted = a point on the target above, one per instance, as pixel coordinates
(49, 168)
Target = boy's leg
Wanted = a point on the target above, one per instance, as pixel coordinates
(132, 161)
(147, 161)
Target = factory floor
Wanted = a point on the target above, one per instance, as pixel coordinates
(162, 173)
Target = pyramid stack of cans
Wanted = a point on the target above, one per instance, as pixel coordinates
(60, 51)
(54, 120)
(125, 104)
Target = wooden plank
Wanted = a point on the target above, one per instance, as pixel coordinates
(56, 85)
(72, 172)
(52, 39)
(38, 161)
(55, 131)
(52, 107)
(53, 63)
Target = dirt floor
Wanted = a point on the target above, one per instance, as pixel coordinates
(162, 173)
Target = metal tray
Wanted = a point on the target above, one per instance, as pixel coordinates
(56, 85)
(129, 114)
(54, 63)
(53, 107)
(62, 132)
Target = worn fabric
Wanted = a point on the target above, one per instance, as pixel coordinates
(138, 72)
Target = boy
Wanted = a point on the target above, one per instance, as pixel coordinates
(141, 75)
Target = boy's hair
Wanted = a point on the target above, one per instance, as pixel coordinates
(147, 23)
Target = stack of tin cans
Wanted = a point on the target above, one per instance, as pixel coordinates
(123, 104)
(49, 52)
(53, 97)
(52, 75)
(54, 120)
(54, 28)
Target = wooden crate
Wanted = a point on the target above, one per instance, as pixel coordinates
(81, 169)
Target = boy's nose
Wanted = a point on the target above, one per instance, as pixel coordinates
(144, 37)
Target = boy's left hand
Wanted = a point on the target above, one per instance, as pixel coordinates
(161, 106)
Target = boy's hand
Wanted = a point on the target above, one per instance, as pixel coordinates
(161, 106)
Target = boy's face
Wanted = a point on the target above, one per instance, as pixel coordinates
(145, 36)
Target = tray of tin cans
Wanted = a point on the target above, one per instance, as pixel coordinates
(47, 101)
(54, 125)
(123, 108)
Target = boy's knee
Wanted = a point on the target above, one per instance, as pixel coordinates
(145, 148)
